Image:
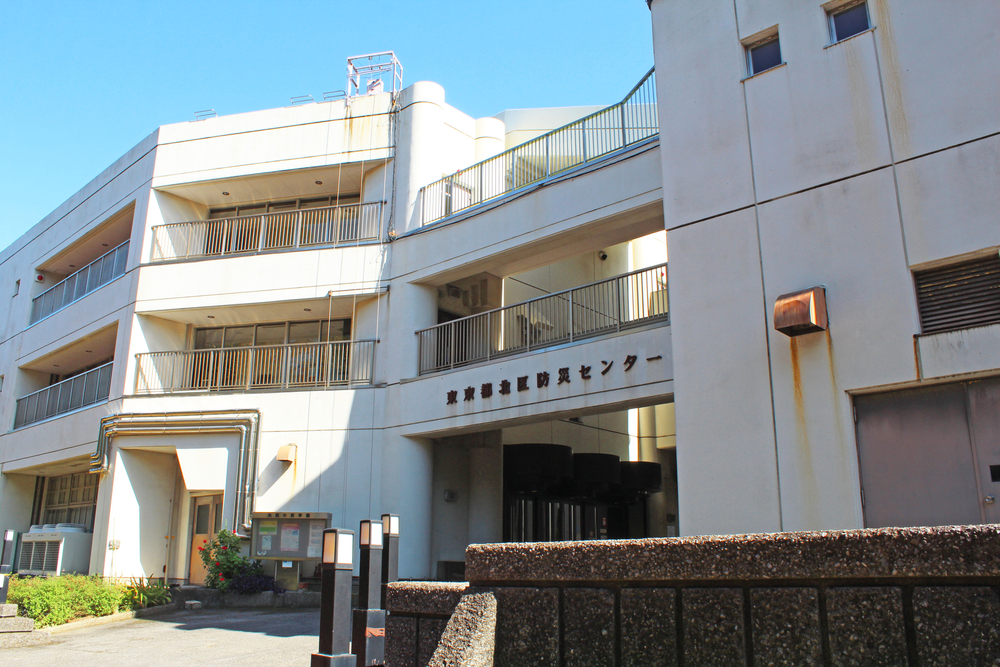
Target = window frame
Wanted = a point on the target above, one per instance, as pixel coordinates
(762, 38)
(837, 8)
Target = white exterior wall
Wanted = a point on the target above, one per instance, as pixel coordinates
(361, 451)
(849, 166)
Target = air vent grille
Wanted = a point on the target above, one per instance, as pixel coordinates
(960, 295)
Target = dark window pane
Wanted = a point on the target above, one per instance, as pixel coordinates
(851, 22)
(765, 56)
(239, 337)
(270, 334)
(303, 332)
(218, 518)
(207, 339)
(201, 520)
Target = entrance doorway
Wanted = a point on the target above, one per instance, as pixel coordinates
(931, 456)
(206, 521)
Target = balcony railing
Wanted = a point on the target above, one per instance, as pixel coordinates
(271, 367)
(599, 308)
(284, 230)
(76, 392)
(630, 121)
(98, 273)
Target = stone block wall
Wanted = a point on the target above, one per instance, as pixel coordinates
(906, 597)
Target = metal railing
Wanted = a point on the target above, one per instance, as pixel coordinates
(322, 365)
(98, 273)
(630, 121)
(76, 392)
(282, 230)
(602, 307)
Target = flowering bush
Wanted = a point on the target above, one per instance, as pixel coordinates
(229, 570)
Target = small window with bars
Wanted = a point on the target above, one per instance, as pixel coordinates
(959, 296)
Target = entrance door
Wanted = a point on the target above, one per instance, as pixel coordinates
(206, 519)
(930, 456)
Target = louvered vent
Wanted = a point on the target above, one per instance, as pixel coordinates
(959, 296)
(25, 561)
(52, 557)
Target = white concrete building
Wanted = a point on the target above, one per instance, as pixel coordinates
(364, 305)
(853, 146)
(328, 308)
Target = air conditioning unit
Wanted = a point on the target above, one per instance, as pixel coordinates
(62, 551)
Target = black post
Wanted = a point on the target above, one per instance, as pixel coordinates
(335, 602)
(6, 562)
(369, 621)
(390, 553)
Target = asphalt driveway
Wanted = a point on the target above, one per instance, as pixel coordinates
(196, 638)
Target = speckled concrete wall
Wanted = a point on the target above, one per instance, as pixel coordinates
(909, 597)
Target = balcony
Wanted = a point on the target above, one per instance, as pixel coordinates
(285, 230)
(617, 127)
(600, 308)
(76, 392)
(260, 368)
(98, 273)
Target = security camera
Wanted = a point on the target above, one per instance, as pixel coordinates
(603, 255)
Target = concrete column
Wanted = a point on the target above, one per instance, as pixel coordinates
(418, 150)
(408, 471)
(489, 138)
(17, 493)
(486, 489)
(411, 307)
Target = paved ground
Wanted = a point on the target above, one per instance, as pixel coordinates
(238, 637)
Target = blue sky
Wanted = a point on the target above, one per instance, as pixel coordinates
(81, 82)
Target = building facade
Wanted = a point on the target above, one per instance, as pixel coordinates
(350, 307)
(832, 145)
(380, 304)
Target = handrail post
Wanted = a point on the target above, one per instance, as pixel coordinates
(260, 234)
(618, 290)
(548, 158)
(298, 228)
(451, 336)
(489, 335)
(571, 315)
(583, 128)
(624, 134)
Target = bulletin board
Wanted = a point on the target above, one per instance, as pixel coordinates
(288, 535)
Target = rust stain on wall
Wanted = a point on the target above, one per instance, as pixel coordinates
(808, 495)
(892, 82)
(836, 393)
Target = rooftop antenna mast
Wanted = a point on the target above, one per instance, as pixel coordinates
(372, 73)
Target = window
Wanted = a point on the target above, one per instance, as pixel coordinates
(17, 287)
(281, 333)
(959, 296)
(71, 499)
(1, 383)
(763, 51)
(848, 19)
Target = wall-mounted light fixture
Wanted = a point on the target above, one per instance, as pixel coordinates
(801, 312)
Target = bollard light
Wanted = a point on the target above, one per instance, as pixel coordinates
(368, 639)
(335, 600)
(390, 553)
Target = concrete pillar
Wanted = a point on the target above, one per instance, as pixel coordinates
(408, 471)
(17, 494)
(418, 150)
(486, 489)
(489, 138)
(411, 307)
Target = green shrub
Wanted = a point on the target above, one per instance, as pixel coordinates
(56, 600)
(142, 593)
